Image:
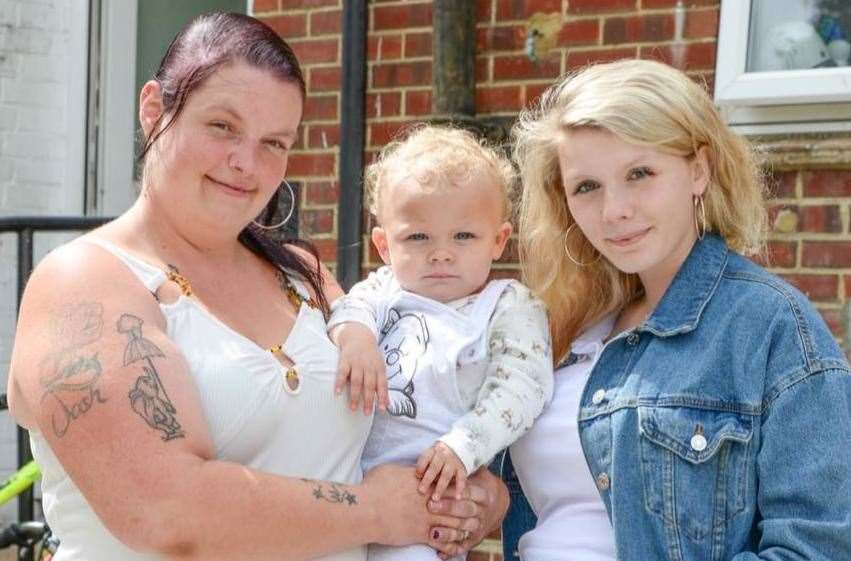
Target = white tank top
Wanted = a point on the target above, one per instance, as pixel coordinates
(428, 346)
(311, 433)
(573, 524)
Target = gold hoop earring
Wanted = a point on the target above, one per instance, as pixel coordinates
(699, 216)
(567, 250)
(289, 214)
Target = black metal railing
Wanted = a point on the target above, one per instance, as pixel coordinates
(25, 227)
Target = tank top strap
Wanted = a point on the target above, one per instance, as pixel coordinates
(149, 275)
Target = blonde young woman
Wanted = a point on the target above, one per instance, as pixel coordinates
(701, 406)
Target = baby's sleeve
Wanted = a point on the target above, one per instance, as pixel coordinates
(364, 302)
(518, 382)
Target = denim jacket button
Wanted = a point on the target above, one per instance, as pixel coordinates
(598, 397)
(698, 443)
(603, 481)
(632, 339)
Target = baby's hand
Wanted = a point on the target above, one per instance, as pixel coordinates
(441, 460)
(362, 365)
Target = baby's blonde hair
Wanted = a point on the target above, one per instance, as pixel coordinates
(437, 156)
(644, 103)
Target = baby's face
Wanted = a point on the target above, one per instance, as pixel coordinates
(440, 242)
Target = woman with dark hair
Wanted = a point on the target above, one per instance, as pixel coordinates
(173, 367)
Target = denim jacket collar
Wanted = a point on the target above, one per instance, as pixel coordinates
(694, 284)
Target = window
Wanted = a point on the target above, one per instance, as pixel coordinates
(783, 65)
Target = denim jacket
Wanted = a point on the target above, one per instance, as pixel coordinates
(720, 428)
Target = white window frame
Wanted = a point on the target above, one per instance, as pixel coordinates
(816, 100)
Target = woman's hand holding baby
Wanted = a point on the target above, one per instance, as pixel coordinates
(362, 365)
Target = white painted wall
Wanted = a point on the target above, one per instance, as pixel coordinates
(43, 46)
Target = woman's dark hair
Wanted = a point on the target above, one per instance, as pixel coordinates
(196, 53)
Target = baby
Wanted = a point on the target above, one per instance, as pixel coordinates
(463, 365)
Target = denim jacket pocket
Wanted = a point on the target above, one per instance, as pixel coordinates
(694, 465)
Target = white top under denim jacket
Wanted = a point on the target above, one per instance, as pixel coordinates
(254, 419)
(718, 429)
(473, 373)
(573, 524)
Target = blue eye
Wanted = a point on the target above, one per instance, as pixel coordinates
(586, 187)
(277, 145)
(417, 237)
(640, 173)
(465, 236)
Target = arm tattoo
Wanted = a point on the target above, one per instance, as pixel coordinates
(148, 397)
(332, 492)
(70, 372)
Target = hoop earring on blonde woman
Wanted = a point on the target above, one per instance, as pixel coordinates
(699, 216)
(289, 214)
(567, 250)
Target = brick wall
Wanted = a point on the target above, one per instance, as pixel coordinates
(810, 243)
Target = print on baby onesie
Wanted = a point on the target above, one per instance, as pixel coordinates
(404, 339)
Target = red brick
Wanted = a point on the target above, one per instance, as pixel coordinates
(323, 136)
(483, 10)
(820, 288)
(323, 23)
(501, 38)
(382, 132)
(701, 24)
(672, 3)
(266, 6)
(321, 192)
(401, 17)
(483, 65)
(402, 74)
(324, 79)
(418, 102)
(300, 165)
(826, 254)
(779, 254)
(327, 249)
(384, 47)
(317, 50)
(846, 281)
(320, 107)
(833, 319)
(319, 221)
(384, 104)
(417, 45)
(825, 183)
(519, 67)
(638, 29)
(599, 6)
(820, 218)
(523, 9)
(781, 185)
(577, 59)
(288, 26)
(503, 98)
(533, 92)
(296, 4)
(581, 32)
(688, 56)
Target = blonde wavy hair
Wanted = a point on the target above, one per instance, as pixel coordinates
(644, 103)
(437, 156)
